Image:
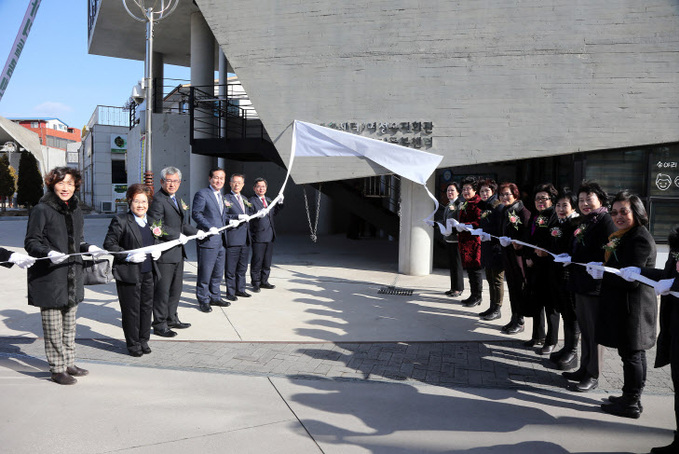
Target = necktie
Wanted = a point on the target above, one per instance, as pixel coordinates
(264, 201)
(174, 200)
(240, 202)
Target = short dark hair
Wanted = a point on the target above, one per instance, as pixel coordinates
(489, 183)
(512, 187)
(216, 169)
(592, 187)
(471, 181)
(567, 194)
(453, 183)
(138, 188)
(58, 174)
(637, 206)
(673, 238)
(236, 175)
(549, 189)
(257, 180)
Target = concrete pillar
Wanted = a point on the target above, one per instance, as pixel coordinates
(416, 239)
(202, 75)
(223, 79)
(158, 68)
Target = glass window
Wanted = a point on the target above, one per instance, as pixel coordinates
(618, 170)
(664, 214)
(118, 172)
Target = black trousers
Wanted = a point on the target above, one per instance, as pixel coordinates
(633, 370)
(236, 266)
(260, 265)
(496, 285)
(166, 295)
(456, 278)
(586, 308)
(136, 307)
(475, 281)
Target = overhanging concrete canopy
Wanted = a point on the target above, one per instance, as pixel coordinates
(10, 131)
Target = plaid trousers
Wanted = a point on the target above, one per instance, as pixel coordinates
(58, 326)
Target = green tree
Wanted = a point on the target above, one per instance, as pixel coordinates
(7, 186)
(29, 187)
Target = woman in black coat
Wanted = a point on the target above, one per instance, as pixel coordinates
(491, 251)
(515, 218)
(135, 272)
(627, 309)
(589, 239)
(55, 229)
(667, 351)
(451, 211)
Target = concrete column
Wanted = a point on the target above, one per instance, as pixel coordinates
(202, 74)
(416, 239)
(223, 76)
(158, 67)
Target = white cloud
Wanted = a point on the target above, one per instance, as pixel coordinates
(52, 109)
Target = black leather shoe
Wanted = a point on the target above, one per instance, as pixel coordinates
(472, 302)
(534, 343)
(586, 384)
(268, 286)
(577, 375)
(621, 399)
(220, 303)
(164, 333)
(546, 349)
(63, 378)
(567, 361)
(136, 353)
(618, 409)
(179, 325)
(516, 328)
(255, 289)
(205, 307)
(75, 371)
(145, 349)
(243, 294)
(492, 316)
(231, 297)
(507, 326)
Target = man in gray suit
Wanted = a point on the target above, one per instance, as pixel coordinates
(210, 214)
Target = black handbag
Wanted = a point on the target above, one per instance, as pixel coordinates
(96, 271)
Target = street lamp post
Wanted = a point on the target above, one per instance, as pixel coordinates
(148, 13)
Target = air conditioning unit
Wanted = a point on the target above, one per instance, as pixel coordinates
(107, 207)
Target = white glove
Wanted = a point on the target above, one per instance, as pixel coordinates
(136, 257)
(155, 255)
(23, 261)
(563, 258)
(595, 272)
(281, 198)
(213, 231)
(626, 273)
(96, 251)
(233, 223)
(505, 241)
(183, 239)
(242, 217)
(485, 236)
(56, 257)
(201, 235)
(663, 286)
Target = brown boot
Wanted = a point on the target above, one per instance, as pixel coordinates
(64, 379)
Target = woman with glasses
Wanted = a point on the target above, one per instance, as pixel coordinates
(589, 239)
(470, 245)
(627, 309)
(515, 219)
(451, 211)
(135, 273)
(491, 251)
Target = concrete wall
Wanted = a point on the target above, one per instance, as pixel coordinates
(499, 80)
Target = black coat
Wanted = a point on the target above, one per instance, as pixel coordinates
(55, 226)
(123, 235)
(628, 311)
(561, 240)
(490, 222)
(263, 230)
(4, 256)
(669, 310)
(589, 248)
(175, 220)
(537, 270)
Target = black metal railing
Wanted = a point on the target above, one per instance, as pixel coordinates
(92, 9)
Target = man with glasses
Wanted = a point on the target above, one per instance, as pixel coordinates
(174, 217)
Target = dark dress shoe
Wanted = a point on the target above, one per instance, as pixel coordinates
(620, 409)
(136, 353)
(486, 312)
(75, 371)
(534, 343)
(507, 326)
(220, 302)
(63, 378)
(231, 297)
(472, 302)
(577, 375)
(145, 349)
(546, 349)
(164, 333)
(243, 294)
(179, 325)
(255, 289)
(492, 316)
(567, 361)
(622, 400)
(586, 384)
(516, 328)
(268, 286)
(204, 307)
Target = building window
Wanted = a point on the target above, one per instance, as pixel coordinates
(118, 172)
(35, 125)
(618, 170)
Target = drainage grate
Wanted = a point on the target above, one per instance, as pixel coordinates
(391, 290)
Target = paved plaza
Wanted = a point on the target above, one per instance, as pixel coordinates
(325, 363)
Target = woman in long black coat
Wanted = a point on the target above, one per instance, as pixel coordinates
(667, 351)
(451, 211)
(54, 230)
(135, 272)
(628, 311)
(588, 240)
(491, 251)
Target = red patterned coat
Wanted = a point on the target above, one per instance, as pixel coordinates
(470, 245)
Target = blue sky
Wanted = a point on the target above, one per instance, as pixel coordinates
(55, 76)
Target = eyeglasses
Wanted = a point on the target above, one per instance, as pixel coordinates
(622, 212)
(541, 199)
(140, 202)
(506, 194)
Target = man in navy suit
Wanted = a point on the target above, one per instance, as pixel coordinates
(263, 235)
(237, 239)
(174, 216)
(209, 213)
